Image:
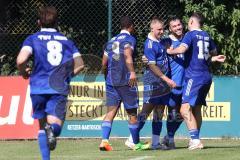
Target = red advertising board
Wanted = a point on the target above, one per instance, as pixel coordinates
(16, 109)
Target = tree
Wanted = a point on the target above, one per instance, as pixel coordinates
(223, 24)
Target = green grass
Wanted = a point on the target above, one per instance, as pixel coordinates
(87, 149)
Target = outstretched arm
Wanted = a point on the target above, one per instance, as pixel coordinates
(179, 50)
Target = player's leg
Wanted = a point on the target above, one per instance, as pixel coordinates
(201, 100)
(129, 96)
(39, 103)
(107, 127)
(190, 96)
(112, 103)
(142, 117)
(174, 120)
(198, 115)
(158, 112)
(56, 111)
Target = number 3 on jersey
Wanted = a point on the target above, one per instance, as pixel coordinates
(203, 50)
(54, 56)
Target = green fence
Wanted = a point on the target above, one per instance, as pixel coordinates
(90, 23)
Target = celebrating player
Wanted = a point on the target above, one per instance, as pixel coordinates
(156, 82)
(199, 48)
(56, 60)
(174, 118)
(121, 83)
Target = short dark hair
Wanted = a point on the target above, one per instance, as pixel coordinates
(199, 17)
(173, 18)
(126, 22)
(48, 16)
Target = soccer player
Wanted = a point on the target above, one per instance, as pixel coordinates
(121, 83)
(56, 60)
(174, 118)
(156, 82)
(199, 49)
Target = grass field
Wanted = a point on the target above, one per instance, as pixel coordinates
(87, 149)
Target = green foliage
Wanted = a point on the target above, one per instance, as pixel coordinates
(223, 24)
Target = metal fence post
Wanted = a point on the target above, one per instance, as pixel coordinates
(109, 19)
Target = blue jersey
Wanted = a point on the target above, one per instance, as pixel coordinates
(156, 53)
(118, 74)
(53, 55)
(199, 45)
(176, 61)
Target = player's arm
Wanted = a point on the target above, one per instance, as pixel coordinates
(214, 55)
(104, 63)
(179, 50)
(156, 70)
(22, 59)
(183, 47)
(78, 64)
(150, 55)
(217, 58)
(128, 51)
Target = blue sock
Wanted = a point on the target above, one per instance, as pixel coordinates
(56, 128)
(134, 130)
(106, 129)
(43, 145)
(172, 127)
(156, 127)
(174, 121)
(194, 133)
(141, 121)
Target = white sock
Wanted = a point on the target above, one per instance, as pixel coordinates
(196, 141)
(130, 138)
(155, 139)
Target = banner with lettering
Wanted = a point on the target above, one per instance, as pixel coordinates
(86, 109)
(16, 109)
(87, 99)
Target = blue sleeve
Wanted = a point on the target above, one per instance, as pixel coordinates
(75, 51)
(28, 44)
(130, 42)
(166, 42)
(212, 45)
(149, 52)
(187, 40)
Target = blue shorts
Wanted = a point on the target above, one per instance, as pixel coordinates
(125, 94)
(49, 104)
(154, 95)
(175, 97)
(194, 92)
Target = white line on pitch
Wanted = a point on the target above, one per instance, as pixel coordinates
(141, 158)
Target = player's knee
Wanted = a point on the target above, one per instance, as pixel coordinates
(56, 128)
(173, 115)
(132, 120)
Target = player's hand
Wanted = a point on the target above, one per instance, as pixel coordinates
(170, 82)
(132, 79)
(144, 59)
(169, 50)
(219, 58)
(26, 74)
